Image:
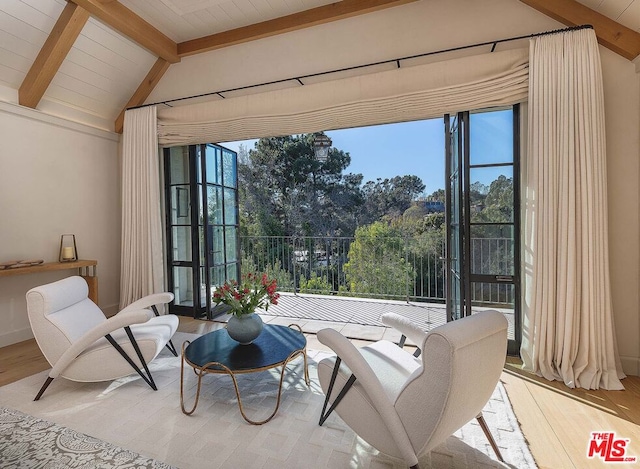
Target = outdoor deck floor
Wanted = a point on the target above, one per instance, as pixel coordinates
(356, 318)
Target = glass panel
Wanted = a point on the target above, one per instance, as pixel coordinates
(181, 241)
(491, 137)
(183, 286)
(214, 165)
(200, 209)
(498, 296)
(202, 245)
(229, 168)
(214, 200)
(203, 287)
(199, 164)
(231, 244)
(453, 205)
(179, 165)
(230, 207)
(180, 205)
(217, 275)
(492, 255)
(216, 238)
(232, 271)
(491, 194)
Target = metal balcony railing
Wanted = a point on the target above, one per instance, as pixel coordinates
(389, 267)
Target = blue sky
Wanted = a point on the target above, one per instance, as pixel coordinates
(385, 151)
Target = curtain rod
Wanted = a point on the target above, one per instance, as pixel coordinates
(372, 64)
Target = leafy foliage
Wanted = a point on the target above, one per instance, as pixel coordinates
(377, 263)
(244, 297)
(315, 284)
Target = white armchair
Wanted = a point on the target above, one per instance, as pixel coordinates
(81, 344)
(403, 405)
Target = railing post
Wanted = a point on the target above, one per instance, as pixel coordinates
(406, 262)
(295, 266)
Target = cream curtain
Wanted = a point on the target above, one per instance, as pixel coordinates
(399, 95)
(142, 266)
(568, 331)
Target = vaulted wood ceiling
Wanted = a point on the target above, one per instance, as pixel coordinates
(166, 29)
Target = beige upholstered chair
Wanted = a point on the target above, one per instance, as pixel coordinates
(81, 344)
(404, 405)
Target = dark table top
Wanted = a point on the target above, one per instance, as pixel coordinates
(272, 347)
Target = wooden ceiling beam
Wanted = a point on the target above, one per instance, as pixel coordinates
(284, 24)
(126, 22)
(53, 52)
(144, 90)
(611, 34)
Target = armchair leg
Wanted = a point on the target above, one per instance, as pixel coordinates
(352, 379)
(487, 433)
(172, 348)
(43, 388)
(147, 378)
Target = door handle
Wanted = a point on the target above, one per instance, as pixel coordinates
(504, 278)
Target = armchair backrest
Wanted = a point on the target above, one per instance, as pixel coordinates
(60, 313)
(462, 362)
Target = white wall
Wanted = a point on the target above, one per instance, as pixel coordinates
(622, 110)
(55, 177)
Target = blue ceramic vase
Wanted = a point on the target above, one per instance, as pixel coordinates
(245, 328)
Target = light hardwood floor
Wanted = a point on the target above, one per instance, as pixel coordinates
(557, 421)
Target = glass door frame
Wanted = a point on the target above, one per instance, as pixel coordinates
(465, 225)
(455, 141)
(201, 241)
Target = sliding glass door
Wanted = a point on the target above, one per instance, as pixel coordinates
(483, 225)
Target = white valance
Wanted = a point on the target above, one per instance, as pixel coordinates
(404, 94)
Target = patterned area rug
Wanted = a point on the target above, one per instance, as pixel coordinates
(27, 441)
(128, 414)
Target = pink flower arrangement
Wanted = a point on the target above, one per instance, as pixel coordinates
(254, 291)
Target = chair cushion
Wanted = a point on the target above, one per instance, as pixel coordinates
(100, 361)
(392, 365)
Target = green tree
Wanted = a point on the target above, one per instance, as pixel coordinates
(286, 191)
(377, 265)
(390, 197)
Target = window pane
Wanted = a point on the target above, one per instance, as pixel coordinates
(198, 164)
(180, 205)
(203, 287)
(232, 271)
(181, 241)
(183, 286)
(491, 137)
(230, 207)
(232, 246)
(214, 197)
(216, 236)
(214, 165)
(491, 194)
(217, 275)
(179, 165)
(202, 244)
(492, 255)
(200, 209)
(229, 168)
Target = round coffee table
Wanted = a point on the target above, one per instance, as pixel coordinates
(218, 353)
